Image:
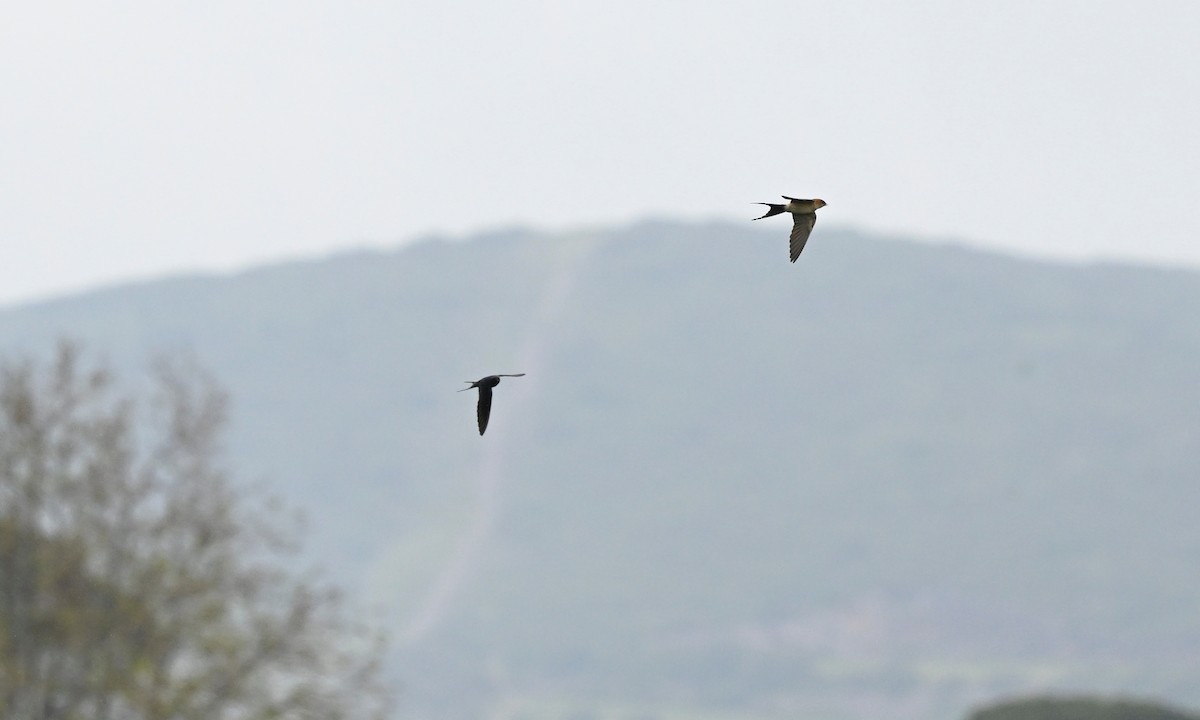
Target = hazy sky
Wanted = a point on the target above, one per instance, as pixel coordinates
(138, 138)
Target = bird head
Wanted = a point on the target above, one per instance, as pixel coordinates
(819, 203)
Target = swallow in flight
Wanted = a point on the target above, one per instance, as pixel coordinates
(804, 216)
(484, 408)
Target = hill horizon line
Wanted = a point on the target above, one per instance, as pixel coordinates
(385, 248)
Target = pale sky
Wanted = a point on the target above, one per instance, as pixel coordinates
(145, 138)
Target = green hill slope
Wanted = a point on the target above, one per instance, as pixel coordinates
(890, 479)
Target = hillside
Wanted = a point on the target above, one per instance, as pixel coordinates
(893, 479)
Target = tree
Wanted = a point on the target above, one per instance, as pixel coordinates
(1079, 708)
(136, 583)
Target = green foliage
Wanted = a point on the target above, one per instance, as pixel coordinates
(1079, 708)
(135, 583)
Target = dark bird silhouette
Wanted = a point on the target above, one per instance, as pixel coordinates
(483, 409)
(804, 216)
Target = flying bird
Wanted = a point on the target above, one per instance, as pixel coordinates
(804, 216)
(484, 408)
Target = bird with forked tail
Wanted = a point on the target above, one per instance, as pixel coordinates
(804, 216)
(483, 409)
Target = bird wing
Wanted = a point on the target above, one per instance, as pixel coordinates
(802, 225)
(483, 409)
(511, 375)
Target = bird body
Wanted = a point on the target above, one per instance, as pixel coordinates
(804, 217)
(483, 409)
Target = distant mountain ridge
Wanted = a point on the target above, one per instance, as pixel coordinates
(893, 478)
